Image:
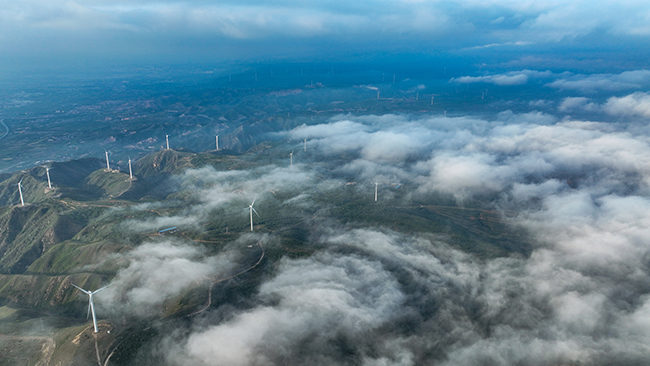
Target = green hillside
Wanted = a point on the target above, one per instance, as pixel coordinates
(33, 189)
(70, 173)
(28, 232)
(106, 183)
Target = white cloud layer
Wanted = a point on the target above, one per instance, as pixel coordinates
(578, 190)
(577, 103)
(516, 79)
(637, 104)
(156, 273)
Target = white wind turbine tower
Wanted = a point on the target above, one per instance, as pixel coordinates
(305, 148)
(49, 182)
(91, 305)
(130, 170)
(108, 165)
(167, 140)
(20, 191)
(251, 210)
(376, 184)
(291, 160)
(217, 142)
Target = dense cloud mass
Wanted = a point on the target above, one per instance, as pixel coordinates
(630, 105)
(158, 272)
(372, 296)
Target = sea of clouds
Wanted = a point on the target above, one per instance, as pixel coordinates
(372, 296)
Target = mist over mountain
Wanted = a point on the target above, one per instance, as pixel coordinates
(370, 295)
(372, 183)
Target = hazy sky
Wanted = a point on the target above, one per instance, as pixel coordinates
(40, 31)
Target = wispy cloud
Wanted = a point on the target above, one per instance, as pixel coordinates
(510, 78)
(610, 82)
(518, 43)
(577, 103)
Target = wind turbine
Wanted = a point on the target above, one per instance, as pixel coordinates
(167, 139)
(291, 160)
(108, 165)
(20, 190)
(130, 170)
(49, 182)
(217, 142)
(305, 148)
(251, 210)
(376, 184)
(91, 305)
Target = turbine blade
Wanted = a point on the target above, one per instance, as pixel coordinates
(21, 180)
(96, 291)
(258, 215)
(253, 201)
(82, 290)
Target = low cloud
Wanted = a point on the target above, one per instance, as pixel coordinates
(607, 82)
(540, 103)
(637, 104)
(377, 297)
(517, 79)
(208, 189)
(576, 190)
(510, 78)
(592, 83)
(310, 301)
(157, 272)
(577, 104)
